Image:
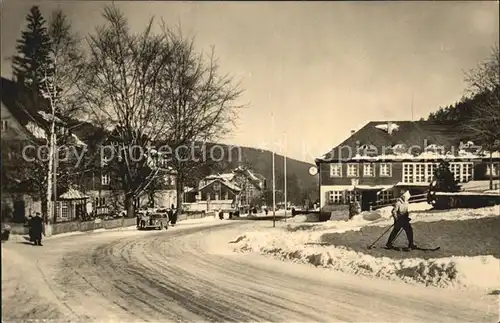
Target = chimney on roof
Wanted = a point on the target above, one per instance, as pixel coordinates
(353, 132)
(389, 127)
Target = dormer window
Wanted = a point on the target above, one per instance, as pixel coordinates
(399, 149)
(105, 179)
(435, 149)
(368, 150)
(388, 127)
(5, 125)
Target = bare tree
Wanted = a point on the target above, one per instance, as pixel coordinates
(122, 91)
(59, 88)
(484, 82)
(200, 104)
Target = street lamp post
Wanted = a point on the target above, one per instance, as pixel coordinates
(274, 187)
(284, 170)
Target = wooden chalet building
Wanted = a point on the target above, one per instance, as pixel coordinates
(375, 163)
(240, 187)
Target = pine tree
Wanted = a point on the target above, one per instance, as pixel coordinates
(445, 179)
(33, 51)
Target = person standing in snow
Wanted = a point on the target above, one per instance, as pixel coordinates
(402, 219)
(354, 208)
(173, 219)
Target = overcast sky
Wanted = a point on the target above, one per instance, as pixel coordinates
(323, 68)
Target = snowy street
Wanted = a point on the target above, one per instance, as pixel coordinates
(189, 273)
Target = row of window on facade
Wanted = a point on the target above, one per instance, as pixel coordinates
(385, 169)
(106, 179)
(412, 172)
(216, 197)
(424, 172)
(345, 197)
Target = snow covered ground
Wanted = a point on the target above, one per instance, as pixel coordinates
(300, 242)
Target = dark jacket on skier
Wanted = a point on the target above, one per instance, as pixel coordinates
(401, 221)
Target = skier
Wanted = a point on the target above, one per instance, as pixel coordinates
(401, 221)
(37, 229)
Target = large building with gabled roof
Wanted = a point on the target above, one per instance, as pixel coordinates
(383, 157)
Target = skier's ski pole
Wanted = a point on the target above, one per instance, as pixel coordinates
(374, 242)
(397, 235)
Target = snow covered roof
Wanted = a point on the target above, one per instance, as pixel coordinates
(388, 127)
(36, 130)
(413, 140)
(227, 176)
(73, 194)
(77, 140)
(223, 182)
(254, 178)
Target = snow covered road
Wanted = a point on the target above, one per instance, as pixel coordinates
(188, 273)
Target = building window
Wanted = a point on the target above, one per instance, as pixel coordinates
(217, 186)
(386, 196)
(5, 125)
(368, 170)
(407, 173)
(493, 171)
(420, 173)
(105, 179)
(335, 170)
(351, 195)
(352, 170)
(335, 197)
(386, 170)
(64, 211)
(461, 171)
(429, 171)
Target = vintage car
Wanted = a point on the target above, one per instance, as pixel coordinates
(153, 221)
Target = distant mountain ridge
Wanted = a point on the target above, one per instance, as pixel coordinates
(260, 161)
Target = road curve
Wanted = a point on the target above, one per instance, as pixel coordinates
(188, 275)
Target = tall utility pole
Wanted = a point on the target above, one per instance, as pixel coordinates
(284, 170)
(274, 178)
(55, 164)
(412, 106)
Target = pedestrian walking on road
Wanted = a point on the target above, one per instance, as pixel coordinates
(402, 220)
(37, 229)
(173, 219)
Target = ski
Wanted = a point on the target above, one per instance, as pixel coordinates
(406, 249)
(428, 249)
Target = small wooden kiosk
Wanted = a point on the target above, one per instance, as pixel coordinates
(71, 205)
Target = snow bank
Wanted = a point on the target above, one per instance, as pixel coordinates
(300, 228)
(300, 242)
(477, 272)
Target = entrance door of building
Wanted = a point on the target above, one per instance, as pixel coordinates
(19, 211)
(367, 197)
